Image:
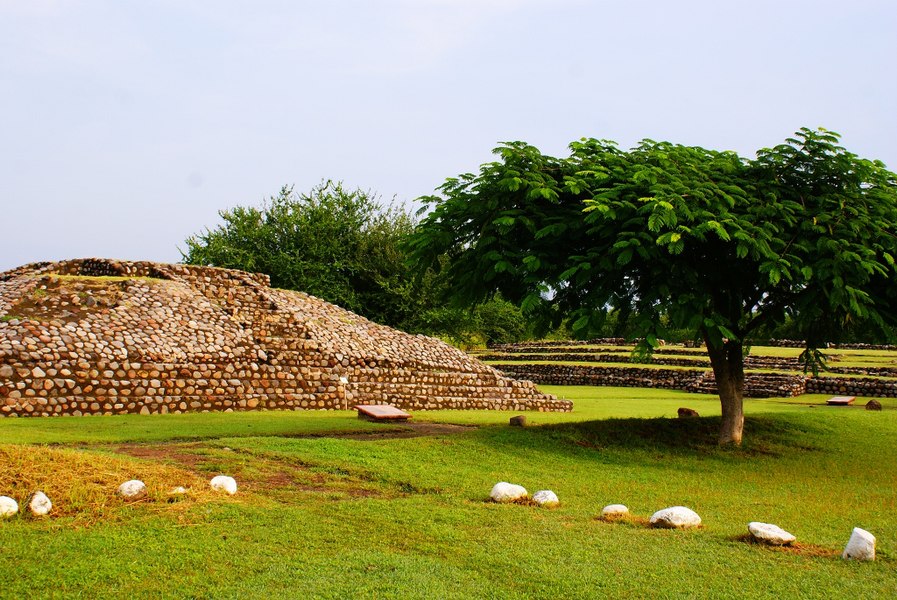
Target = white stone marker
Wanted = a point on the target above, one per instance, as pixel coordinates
(8, 507)
(861, 545)
(546, 498)
(39, 504)
(223, 483)
(770, 534)
(132, 489)
(675, 517)
(613, 511)
(507, 492)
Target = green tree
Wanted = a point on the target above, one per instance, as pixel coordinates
(673, 237)
(345, 246)
(338, 244)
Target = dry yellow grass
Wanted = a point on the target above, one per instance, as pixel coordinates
(82, 484)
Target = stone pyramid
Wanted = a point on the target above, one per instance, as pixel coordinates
(96, 336)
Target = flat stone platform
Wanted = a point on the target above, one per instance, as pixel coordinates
(381, 412)
(841, 400)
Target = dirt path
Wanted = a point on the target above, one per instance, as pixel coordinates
(405, 430)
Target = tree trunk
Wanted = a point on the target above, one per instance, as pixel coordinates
(728, 368)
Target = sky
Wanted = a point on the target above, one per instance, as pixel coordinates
(127, 125)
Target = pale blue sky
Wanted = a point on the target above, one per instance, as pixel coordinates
(126, 125)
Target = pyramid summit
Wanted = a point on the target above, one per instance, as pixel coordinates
(100, 336)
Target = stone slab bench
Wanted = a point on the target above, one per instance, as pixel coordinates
(381, 412)
(841, 400)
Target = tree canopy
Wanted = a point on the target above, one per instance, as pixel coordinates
(345, 246)
(338, 244)
(679, 237)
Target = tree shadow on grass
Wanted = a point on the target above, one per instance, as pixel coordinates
(763, 436)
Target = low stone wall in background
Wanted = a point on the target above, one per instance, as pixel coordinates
(855, 386)
(802, 344)
(757, 385)
(750, 362)
(608, 376)
(625, 342)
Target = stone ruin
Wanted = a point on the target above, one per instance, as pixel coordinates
(94, 336)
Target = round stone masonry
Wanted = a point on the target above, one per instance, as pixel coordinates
(132, 490)
(860, 546)
(769, 534)
(224, 483)
(507, 492)
(615, 511)
(39, 504)
(164, 338)
(8, 507)
(546, 498)
(675, 517)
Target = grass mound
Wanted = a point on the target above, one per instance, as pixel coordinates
(83, 484)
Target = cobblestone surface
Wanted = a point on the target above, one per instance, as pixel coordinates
(96, 336)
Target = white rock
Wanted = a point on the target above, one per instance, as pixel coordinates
(675, 517)
(546, 498)
(39, 504)
(507, 492)
(178, 491)
(223, 483)
(8, 507)
(770, 534)
(132, 489)
(861, 545)
(614, 510)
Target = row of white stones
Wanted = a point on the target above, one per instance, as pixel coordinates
(39, 504)
(861, 545)
(135, 488)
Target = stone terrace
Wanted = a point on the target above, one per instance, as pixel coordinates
(96, 336)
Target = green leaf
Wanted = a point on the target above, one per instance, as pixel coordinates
(581, 323)
(532, 263)
(624, 257)
(502, 266)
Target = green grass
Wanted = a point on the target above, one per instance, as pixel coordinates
(190, 426)
(391, 517)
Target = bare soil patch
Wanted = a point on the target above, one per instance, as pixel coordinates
(171, 453)
(279, 478)
(407, 430)
(802, 549)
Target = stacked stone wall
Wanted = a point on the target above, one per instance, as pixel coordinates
(802, 344)
(97, 336)
(677, 379)
(601, 358)
(858, 386)
(757, 385)
(780, 343)
(750, 362)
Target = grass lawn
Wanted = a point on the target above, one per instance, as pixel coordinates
(333, 507)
